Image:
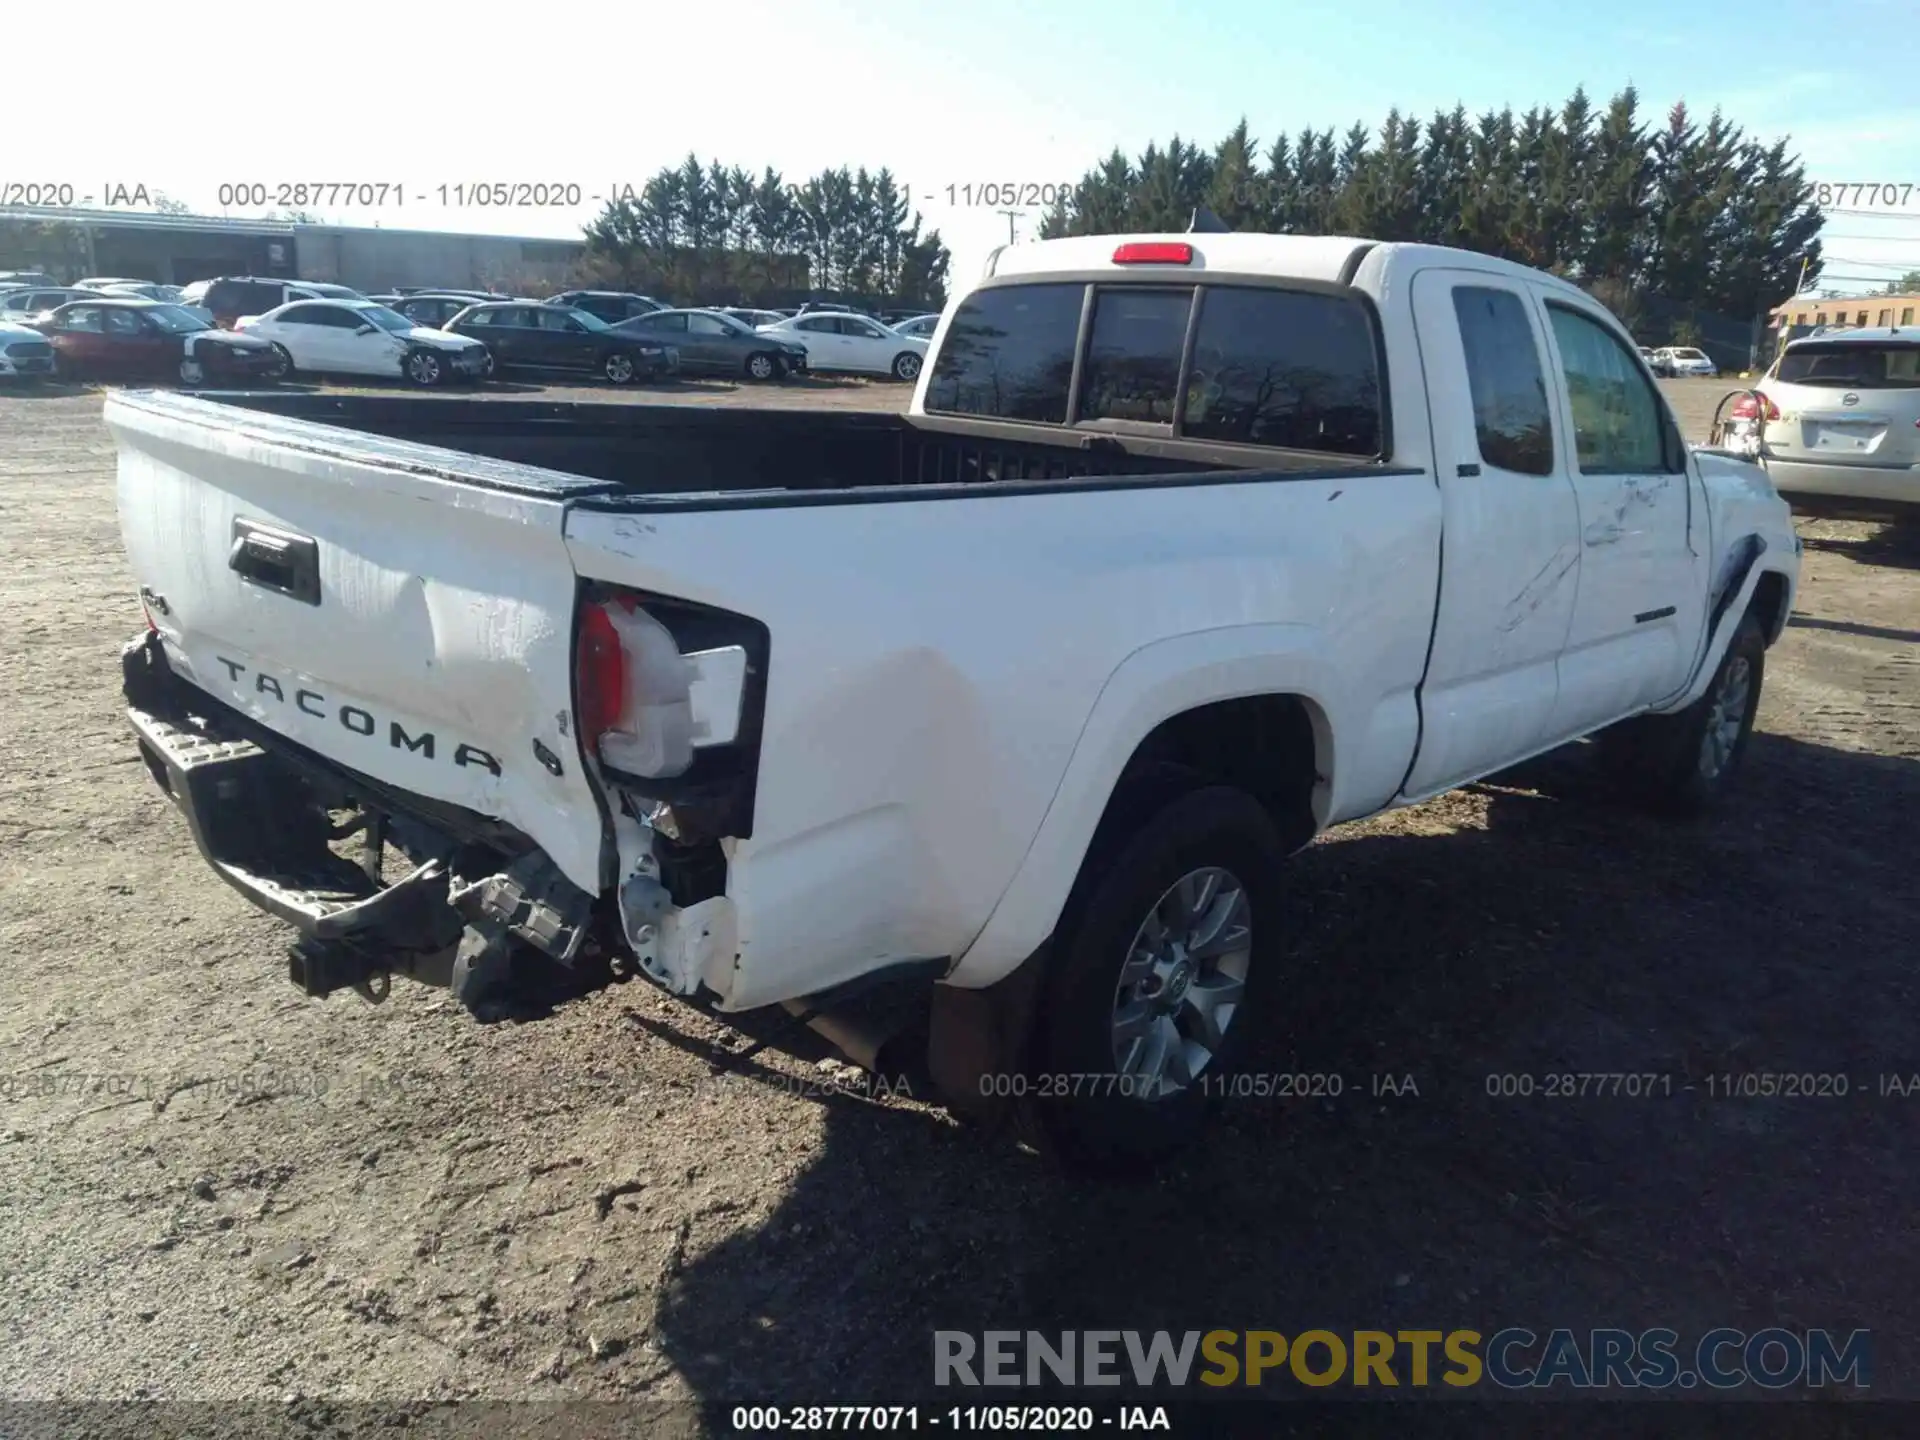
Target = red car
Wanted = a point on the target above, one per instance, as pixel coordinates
(149, 339)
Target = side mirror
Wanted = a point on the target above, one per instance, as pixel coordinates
(366, 329)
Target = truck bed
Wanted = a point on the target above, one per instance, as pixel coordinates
(658, 450)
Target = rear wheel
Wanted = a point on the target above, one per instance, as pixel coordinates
(1165, 939)
(618, 368)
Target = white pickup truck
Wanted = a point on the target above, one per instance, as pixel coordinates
(1190, 547)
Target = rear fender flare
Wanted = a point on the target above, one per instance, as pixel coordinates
(1155, 683)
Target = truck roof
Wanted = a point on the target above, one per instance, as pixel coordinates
(1328, 258)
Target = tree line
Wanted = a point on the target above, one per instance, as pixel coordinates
(716, 233)
(1685, 214)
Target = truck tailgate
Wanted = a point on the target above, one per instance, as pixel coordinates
(405, 611)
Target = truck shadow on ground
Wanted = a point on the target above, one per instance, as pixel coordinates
(1894, 543)
(1437, 980)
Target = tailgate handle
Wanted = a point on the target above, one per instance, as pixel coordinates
(276, 560)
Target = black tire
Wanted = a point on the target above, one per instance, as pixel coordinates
(619, 368)
(906, 366)
(764, 366)
(424, 367)
(1666, 761)
(284, 369)
(1112, 1125)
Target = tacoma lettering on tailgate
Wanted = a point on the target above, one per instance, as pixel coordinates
(357, 721)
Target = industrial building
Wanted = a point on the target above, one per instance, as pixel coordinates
(178, 249)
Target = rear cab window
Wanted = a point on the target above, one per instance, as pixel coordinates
(1282, 366)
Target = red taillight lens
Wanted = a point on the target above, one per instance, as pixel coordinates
(152, 629)
(1745, 409)
(600, 674)
(1153, 252)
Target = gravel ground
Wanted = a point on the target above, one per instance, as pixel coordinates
(211, 1188)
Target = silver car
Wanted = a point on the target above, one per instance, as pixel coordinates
(1843, 417)
(1684, 360)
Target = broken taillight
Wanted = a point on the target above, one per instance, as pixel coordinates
(632, 691)
(1745, 409)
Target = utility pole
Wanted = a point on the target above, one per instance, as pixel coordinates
(1011, 215)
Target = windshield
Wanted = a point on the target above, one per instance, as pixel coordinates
(1853, 366)
(387, 319)
(175, 321)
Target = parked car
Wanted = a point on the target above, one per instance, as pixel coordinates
(131, 338)
(610, 305)
(1646, 353)
(836, 340)
(145, 289)
(1260, 611)
(433, 309)
(107, 282)
(712, 343)
(473, 295)
(1680, 360)
(358, 337)
(540, 337)
(26, 280)
(24, 305)
(920, 327)
(24, 352)
(229, 298)
(1842, 420)
(755, 318)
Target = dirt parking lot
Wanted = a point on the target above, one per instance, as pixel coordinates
(211, 1187)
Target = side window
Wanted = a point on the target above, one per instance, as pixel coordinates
(861, 329)
(669, 324)
(1510, 418)
(121, 322)
(1289, 368)
(1617, 423)
(817, 325)
(1133, 354)
(1009, 354)
(554, 318)
(299, 315)
(482, 317)
(705, 325)
(84, 318)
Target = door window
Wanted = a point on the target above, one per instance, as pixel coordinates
(121, 322)
(82, 318)
(1509, 387)
(705, 325)
(1618, 427)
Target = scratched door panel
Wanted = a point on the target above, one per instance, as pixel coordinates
(1512, 557)
(1642, 592)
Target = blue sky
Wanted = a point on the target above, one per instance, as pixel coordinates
(946, 94)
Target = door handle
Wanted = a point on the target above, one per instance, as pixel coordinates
(276, 560)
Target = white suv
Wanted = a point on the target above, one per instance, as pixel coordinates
(1843, 417)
